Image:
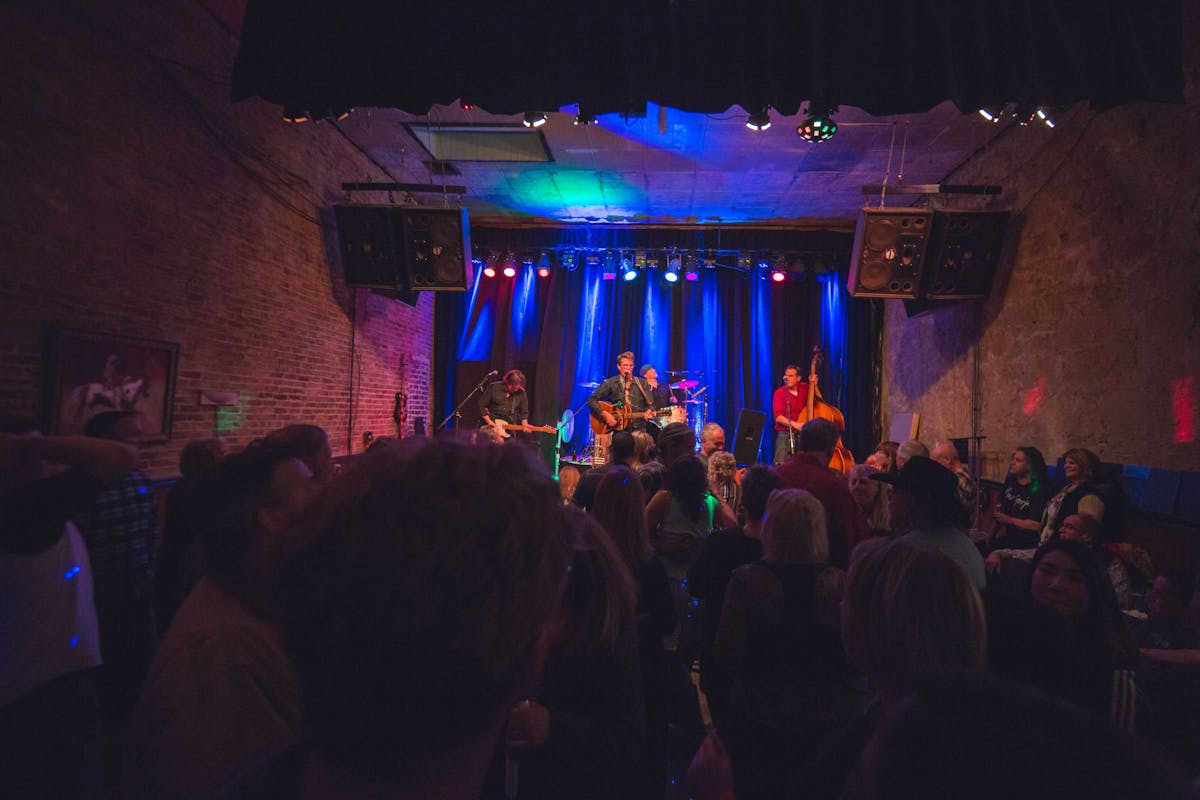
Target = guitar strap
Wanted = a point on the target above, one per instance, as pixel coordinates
(642, 385)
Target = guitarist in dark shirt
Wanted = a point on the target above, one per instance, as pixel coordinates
(627, 394)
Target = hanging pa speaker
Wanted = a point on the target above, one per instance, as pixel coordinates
(405, 248)
(963, 253)
(889, 252)
(371, 255)
(437, 248)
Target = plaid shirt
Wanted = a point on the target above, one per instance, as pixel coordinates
(119, 531)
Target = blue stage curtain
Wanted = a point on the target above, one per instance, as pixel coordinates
(732, 332)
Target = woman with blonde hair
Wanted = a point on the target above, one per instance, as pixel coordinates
(778, 637)
(871, 497)
(568, 481)
(722, 480)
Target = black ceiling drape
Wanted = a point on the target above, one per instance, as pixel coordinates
(706, 55)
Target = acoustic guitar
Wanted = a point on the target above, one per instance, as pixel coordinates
(622, 415)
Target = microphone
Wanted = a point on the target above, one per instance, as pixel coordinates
(493, 373)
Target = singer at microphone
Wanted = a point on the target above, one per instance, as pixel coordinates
(504, 405)
(788, 406)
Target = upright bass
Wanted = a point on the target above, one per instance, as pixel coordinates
(842, 460)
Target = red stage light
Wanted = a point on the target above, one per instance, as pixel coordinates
(543, 273)
(510, 272)
(778, 276)
(489, 272)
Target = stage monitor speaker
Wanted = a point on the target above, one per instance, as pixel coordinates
(437, 248)
(747, 437)
(403, 248)
(370, 251)
(963, 252)
(889, 252)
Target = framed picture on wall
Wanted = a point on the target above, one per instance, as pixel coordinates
(93, 372)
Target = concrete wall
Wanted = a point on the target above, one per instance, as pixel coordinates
(139, 201)
(1091, 336)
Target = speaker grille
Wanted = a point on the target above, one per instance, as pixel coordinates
(889, 252)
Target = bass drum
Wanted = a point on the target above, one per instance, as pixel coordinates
(664, 417)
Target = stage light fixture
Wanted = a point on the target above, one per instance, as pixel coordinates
(568, 260)
(533, 119)
(778, 275)
(629, 272)
(584, 116)
(671, 275)
(1045, 118)
(689, 267)
(293, 114)
(510, 272)
(818, 127)
(489, 271)
(991, 114)
(759, 120)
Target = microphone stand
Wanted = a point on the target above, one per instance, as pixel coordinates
(787, 404)
(457, 412)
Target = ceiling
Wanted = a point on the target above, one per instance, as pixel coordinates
(930, 65)
(676, 167)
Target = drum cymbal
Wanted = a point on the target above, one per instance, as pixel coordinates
(685, 384)
(589, 385)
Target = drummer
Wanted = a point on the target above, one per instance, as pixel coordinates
(660, 393)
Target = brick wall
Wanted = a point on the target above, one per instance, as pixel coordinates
(139, 201)
(1093, 337)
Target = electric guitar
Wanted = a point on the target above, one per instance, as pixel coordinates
(622, 415)
(505, 427)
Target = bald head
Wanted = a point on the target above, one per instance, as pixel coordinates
(946, 455)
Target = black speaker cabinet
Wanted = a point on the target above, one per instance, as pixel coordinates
(405, 248)
(889, 252)
(437, 248)
(747, 437)
(963, 252)
(370, 251)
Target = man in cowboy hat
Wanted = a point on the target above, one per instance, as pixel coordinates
(925, 509)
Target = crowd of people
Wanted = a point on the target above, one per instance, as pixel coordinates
(443, 619)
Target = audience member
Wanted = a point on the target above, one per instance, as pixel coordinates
(908, 612)
(568, 482)
(644, 449)
(906, 450)
(1167, 626)
(809, 470)
(722, 480)
(312, 444)
(181, 552)
(1083, 529)
(722, 553)
(1066, 635)
(1084, 493)
(871, 497)
(653, 477)
(50, 727)
(779, 639)
(712, 440)
(581, 732)
(418, 609)
(622, 453)
(120, 531)
(946, 454)
(676, 441)
(967, 735)
(1170, 692)
(885, 455)
(925, 510)
(221, 692)
(620, 510)
(1017, 518)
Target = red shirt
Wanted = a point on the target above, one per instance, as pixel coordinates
(844, 522)
(783, 402)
